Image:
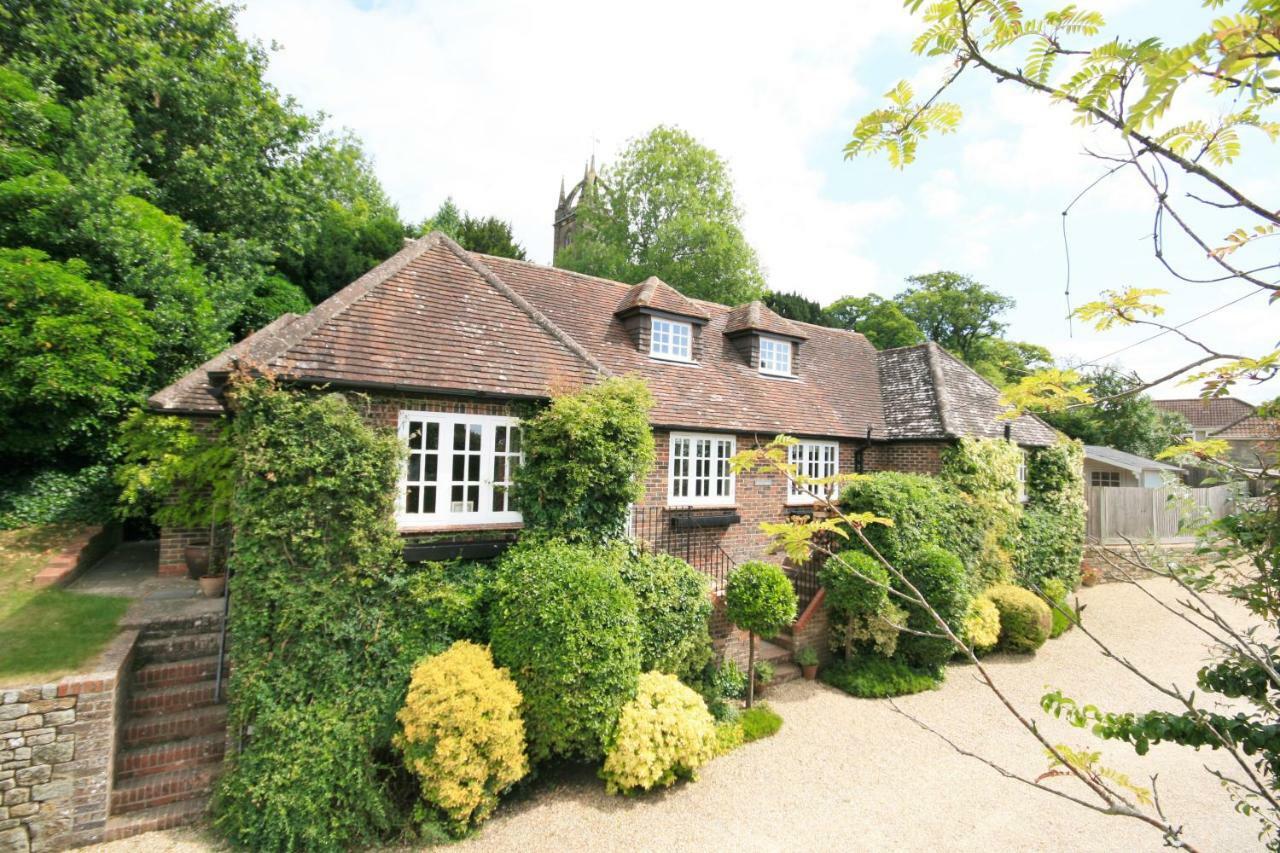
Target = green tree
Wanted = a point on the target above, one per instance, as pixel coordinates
(1002, 362)
(1120, 418)
(74, 355)
(793, 306)
(759, 599)
(954, 311)
(667, 208)
(881, 320)
(489, 236)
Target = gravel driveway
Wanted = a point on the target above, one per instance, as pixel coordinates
(847, 773)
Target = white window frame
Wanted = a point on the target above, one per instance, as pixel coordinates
(443, 515)
(1094, 476)
(686, 466)
(1023, 462)
(664, 337)
(770, 366)
(816, 459)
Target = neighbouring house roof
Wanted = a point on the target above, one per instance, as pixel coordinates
(655, 294)
(1127, 461)
(1251, 428)
(435, 318)
(929, 393)
(756, 317)
(1210, 413)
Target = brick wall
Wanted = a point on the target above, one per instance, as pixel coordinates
(911, 457)
(57, 747)
(174, 540)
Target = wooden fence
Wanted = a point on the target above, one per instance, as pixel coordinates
(1163, 515)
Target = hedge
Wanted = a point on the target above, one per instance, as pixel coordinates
(674, 602)
(940, 578)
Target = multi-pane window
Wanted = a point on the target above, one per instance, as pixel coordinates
(1022, 476)
(459, 468)
(815, 460)
(671, 339)
(1104, 478)
(699, 472)
(775, 356)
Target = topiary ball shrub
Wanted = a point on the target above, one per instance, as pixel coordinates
(876, 677)
(857, 584)
(941, 579)
(674, 602)
(982, 624)
(565, 624)
(664, 734)
(759, 599)
(759, 722)
(461, 733)
(1025, 620)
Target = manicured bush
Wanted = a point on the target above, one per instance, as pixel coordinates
(982, 624)
(665, 733)
(452, 599)
(925, 511)
(759, 599)
(941, 579)
(1025, 620)
(1053, 527)
(566, 626)
(585, 458)
(53, 496)
(674, 602)
(876, 677)
(1056, 592)
(759, 722)
(462, 735)
(857, 586)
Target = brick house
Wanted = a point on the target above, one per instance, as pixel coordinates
(447, 345)
(1254, 441)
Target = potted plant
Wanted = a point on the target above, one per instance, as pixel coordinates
(763, 675)
(807, 660)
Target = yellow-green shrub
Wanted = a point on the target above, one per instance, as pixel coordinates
(982, 624)
(1025, 620)
(462, 733)
(664, 734)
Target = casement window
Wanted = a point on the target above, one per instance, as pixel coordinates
(1104, 478)
(459, 469)
(813, 459)
(671, 339)
(775, 356)
(1022, 476)
(699, 472)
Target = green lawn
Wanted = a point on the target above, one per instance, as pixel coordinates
(49, 632)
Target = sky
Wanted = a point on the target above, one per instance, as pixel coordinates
(493, 103)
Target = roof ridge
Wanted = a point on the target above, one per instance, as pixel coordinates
(939, 394)
(521, 303)
(993, 387)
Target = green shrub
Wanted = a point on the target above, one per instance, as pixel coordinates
(674, 602)
(51, 496)
(1051, 547)
(982, 624)
(807, 656)
(940, 578)
(875, 677)
(1025, 620)
(985, 472)
(730, 680)
(759, 599)
(925, 511)
(764, 672)
(566, 626)
(759, 722)
(452, 600)
(878, 633)
(585, 458)
(1056, 592)
(663, 734)
(728, 736)
(857, 586)
(461, 733)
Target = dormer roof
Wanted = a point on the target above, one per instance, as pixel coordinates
(654, 294)
(756, 317)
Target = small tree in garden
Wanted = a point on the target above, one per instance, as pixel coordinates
(857, 586)
(585, 457)
(759, 599)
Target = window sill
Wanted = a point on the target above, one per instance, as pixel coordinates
(687, 362)
(702, 507)
(452, 527)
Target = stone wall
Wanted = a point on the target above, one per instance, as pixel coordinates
(57, 747)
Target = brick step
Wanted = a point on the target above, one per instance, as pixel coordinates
(178, 647)
(161, 728)
(175, 672)
(207, 623)
(156, 818)
(161, 789)
(784, 672)
(772, 652)
(166, 700)
(167, 757)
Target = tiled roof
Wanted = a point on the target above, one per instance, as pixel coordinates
(756, 317)
(1210, 413)
(655, 294)
(1121, 459)
(929, 393)
(836, 392)
(1251, 428)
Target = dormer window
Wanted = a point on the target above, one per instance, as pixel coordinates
(671, 340)
(775, 356)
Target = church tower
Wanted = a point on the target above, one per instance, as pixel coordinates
(567, 208)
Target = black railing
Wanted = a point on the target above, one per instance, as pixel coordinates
(691, 535)
(804, 576)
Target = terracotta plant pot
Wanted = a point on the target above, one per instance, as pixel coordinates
(213, 586)
(197, 556)
(809, 672)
